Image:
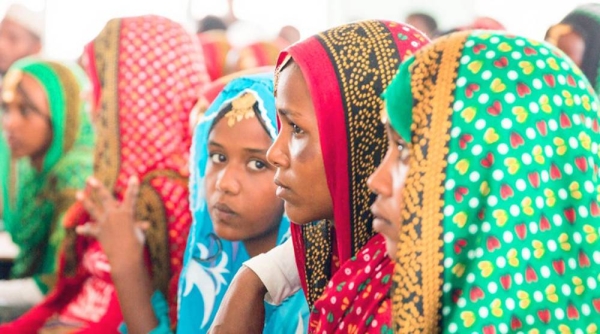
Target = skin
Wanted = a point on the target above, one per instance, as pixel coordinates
(26, 121)
(419, 23)
(16, 42)
(297, 152)
(297, 155)
(388, 183)
(122, 240)
(239, 187)
(573, 45)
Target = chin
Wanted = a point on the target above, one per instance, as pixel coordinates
(226, 233)
(296, 214)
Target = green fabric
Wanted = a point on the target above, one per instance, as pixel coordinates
(540, 214)
(401, 104)
(33, 212)
(521, 201)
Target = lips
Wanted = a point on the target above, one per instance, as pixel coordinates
(282, 189)
(223, 211)
(378, 219)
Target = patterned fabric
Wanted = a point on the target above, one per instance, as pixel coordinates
(346, 93)
(210, 92)
(357, 297)
(585, 20)
(499, 230)
(35, 201)
(150, 71)
(211, 263)
(215, 47)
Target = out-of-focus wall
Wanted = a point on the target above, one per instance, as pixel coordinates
(526, 17)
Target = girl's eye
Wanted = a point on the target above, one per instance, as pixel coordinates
(403, 150)
(257, 165)
(217, 158)
(296, 129)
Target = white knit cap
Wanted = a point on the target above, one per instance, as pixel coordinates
(29, 19)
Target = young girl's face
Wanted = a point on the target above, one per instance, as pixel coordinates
(388, 183)
(296, 152)
(26, 118)
(239, 181)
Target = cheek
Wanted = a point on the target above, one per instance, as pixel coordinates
(261, 200)
(260, 188)
(39, 131)
(210, 181)
(306, 162)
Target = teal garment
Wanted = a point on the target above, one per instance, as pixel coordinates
(210, 263)
(34, 202)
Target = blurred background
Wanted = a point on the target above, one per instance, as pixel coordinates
(72, 23)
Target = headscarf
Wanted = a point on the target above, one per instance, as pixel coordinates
(210, 263)
(346, 70)
(211, 91)
(150, 72)
(499, 230)
(585, 21)
(34, 202)
(215, 47)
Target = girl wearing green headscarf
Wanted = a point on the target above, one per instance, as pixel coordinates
(498, 226)
(48, 154)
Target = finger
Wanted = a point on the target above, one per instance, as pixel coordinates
(88, 230)
(143, 225)
(131, 194)
(89, 205)
(103, 195)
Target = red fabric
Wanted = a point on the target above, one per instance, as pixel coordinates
(215, 47)
(89, 64)
(257, 54)
(356, 299)
(159, 75)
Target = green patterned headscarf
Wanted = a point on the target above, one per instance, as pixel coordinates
(501, 204)
(34, 202)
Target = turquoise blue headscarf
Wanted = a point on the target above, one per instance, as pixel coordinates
(211, 263)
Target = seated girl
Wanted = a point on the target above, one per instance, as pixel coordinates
(140, 174)
(236, 212)
(48, 150)
(498, 228)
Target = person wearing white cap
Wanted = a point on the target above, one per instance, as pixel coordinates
(21, 34)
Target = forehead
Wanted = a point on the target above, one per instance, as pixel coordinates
(292, 90)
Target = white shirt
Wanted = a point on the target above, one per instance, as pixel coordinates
(278, 272)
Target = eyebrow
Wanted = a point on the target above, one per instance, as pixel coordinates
(286, 112)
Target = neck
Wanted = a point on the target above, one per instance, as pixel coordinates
(262, 243)
(38, 162)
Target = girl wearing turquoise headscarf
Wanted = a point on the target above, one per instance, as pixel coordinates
(48, 139)
(233, 203)
(498, 227)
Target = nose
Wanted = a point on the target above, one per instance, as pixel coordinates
(380, 182)
(277, 155)
(227, 182)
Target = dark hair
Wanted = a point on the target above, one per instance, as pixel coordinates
(429, 21)
(211, 22)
